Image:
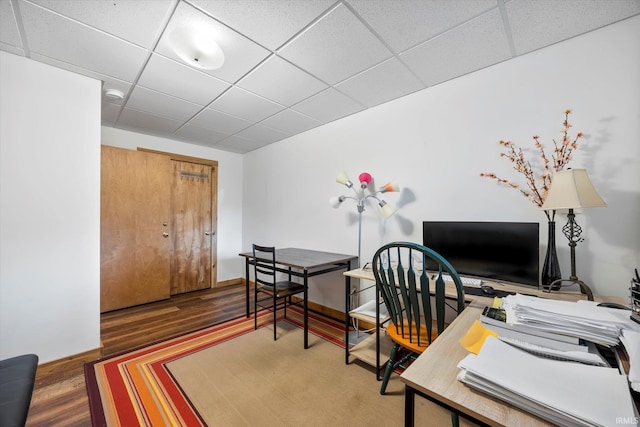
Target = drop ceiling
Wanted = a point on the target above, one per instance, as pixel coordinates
(290, 65)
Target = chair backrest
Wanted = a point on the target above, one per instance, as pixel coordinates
(400, 270)
(264, 265)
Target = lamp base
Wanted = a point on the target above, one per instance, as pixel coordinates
(586, 290)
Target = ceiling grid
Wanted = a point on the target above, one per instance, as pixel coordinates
(289, 65)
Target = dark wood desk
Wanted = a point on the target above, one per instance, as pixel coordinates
(304, 263)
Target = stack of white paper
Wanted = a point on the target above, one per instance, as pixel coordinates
(630, 338)
(586, 321)
(564, 393)
(591, 357)
(631, 341)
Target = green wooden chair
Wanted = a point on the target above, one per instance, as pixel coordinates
(415, 299)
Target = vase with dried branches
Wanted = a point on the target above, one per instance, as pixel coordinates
(538, 182)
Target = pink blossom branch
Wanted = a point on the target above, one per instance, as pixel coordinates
(561, 156)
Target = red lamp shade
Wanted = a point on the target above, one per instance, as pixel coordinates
(365, 178)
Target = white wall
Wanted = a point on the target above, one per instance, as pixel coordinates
(229, 190)
(436, 143)
(49, 210)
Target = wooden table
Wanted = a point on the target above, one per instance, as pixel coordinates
(433, 375)
(304, 263)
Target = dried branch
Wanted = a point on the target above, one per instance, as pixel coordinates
(538, 184)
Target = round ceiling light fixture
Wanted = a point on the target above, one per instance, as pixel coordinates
(197, 47)
(114, 94)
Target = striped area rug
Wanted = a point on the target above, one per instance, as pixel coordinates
(136, 388)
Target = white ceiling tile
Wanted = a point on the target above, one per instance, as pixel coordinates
(244, 145)
(328, 105)
(406, 23)
(262, 134)
(243, 104)
(57, 37)
(240, 53)
(12, 49)
(236, 144)
(385, 82)
(280, 81)
(200, 135)
(285, 17)
(8, 28)
(469, 47)
(290, 65)
(185, 82)
(143, 122)
(138, 21)
(108, 81)
(336, 47)
(159, 104)
(212, 119)
(291, 122)
(254, 145)
(534, 27)
(66, 66)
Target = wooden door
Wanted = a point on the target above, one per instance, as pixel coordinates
(134, 215)
(191, 225)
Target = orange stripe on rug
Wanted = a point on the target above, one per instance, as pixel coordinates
(135, 388)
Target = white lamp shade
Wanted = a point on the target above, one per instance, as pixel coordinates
(387, 209)
(572, 189)
(343, 179)
(197, 48)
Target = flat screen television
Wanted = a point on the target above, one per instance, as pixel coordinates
(499, 251)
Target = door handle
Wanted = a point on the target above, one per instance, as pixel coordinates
(206, 233)
(165, 234)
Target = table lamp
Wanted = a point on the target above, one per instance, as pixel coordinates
(572, 189)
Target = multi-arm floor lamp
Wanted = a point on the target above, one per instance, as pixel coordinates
(361, 197)
(572, 189)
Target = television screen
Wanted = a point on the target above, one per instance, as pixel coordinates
(500, 251)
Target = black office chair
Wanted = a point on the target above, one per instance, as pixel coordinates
(279, 292)
(415, 301)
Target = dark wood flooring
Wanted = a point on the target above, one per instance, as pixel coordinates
(60, 397)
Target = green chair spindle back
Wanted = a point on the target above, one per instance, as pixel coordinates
(414, 300)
